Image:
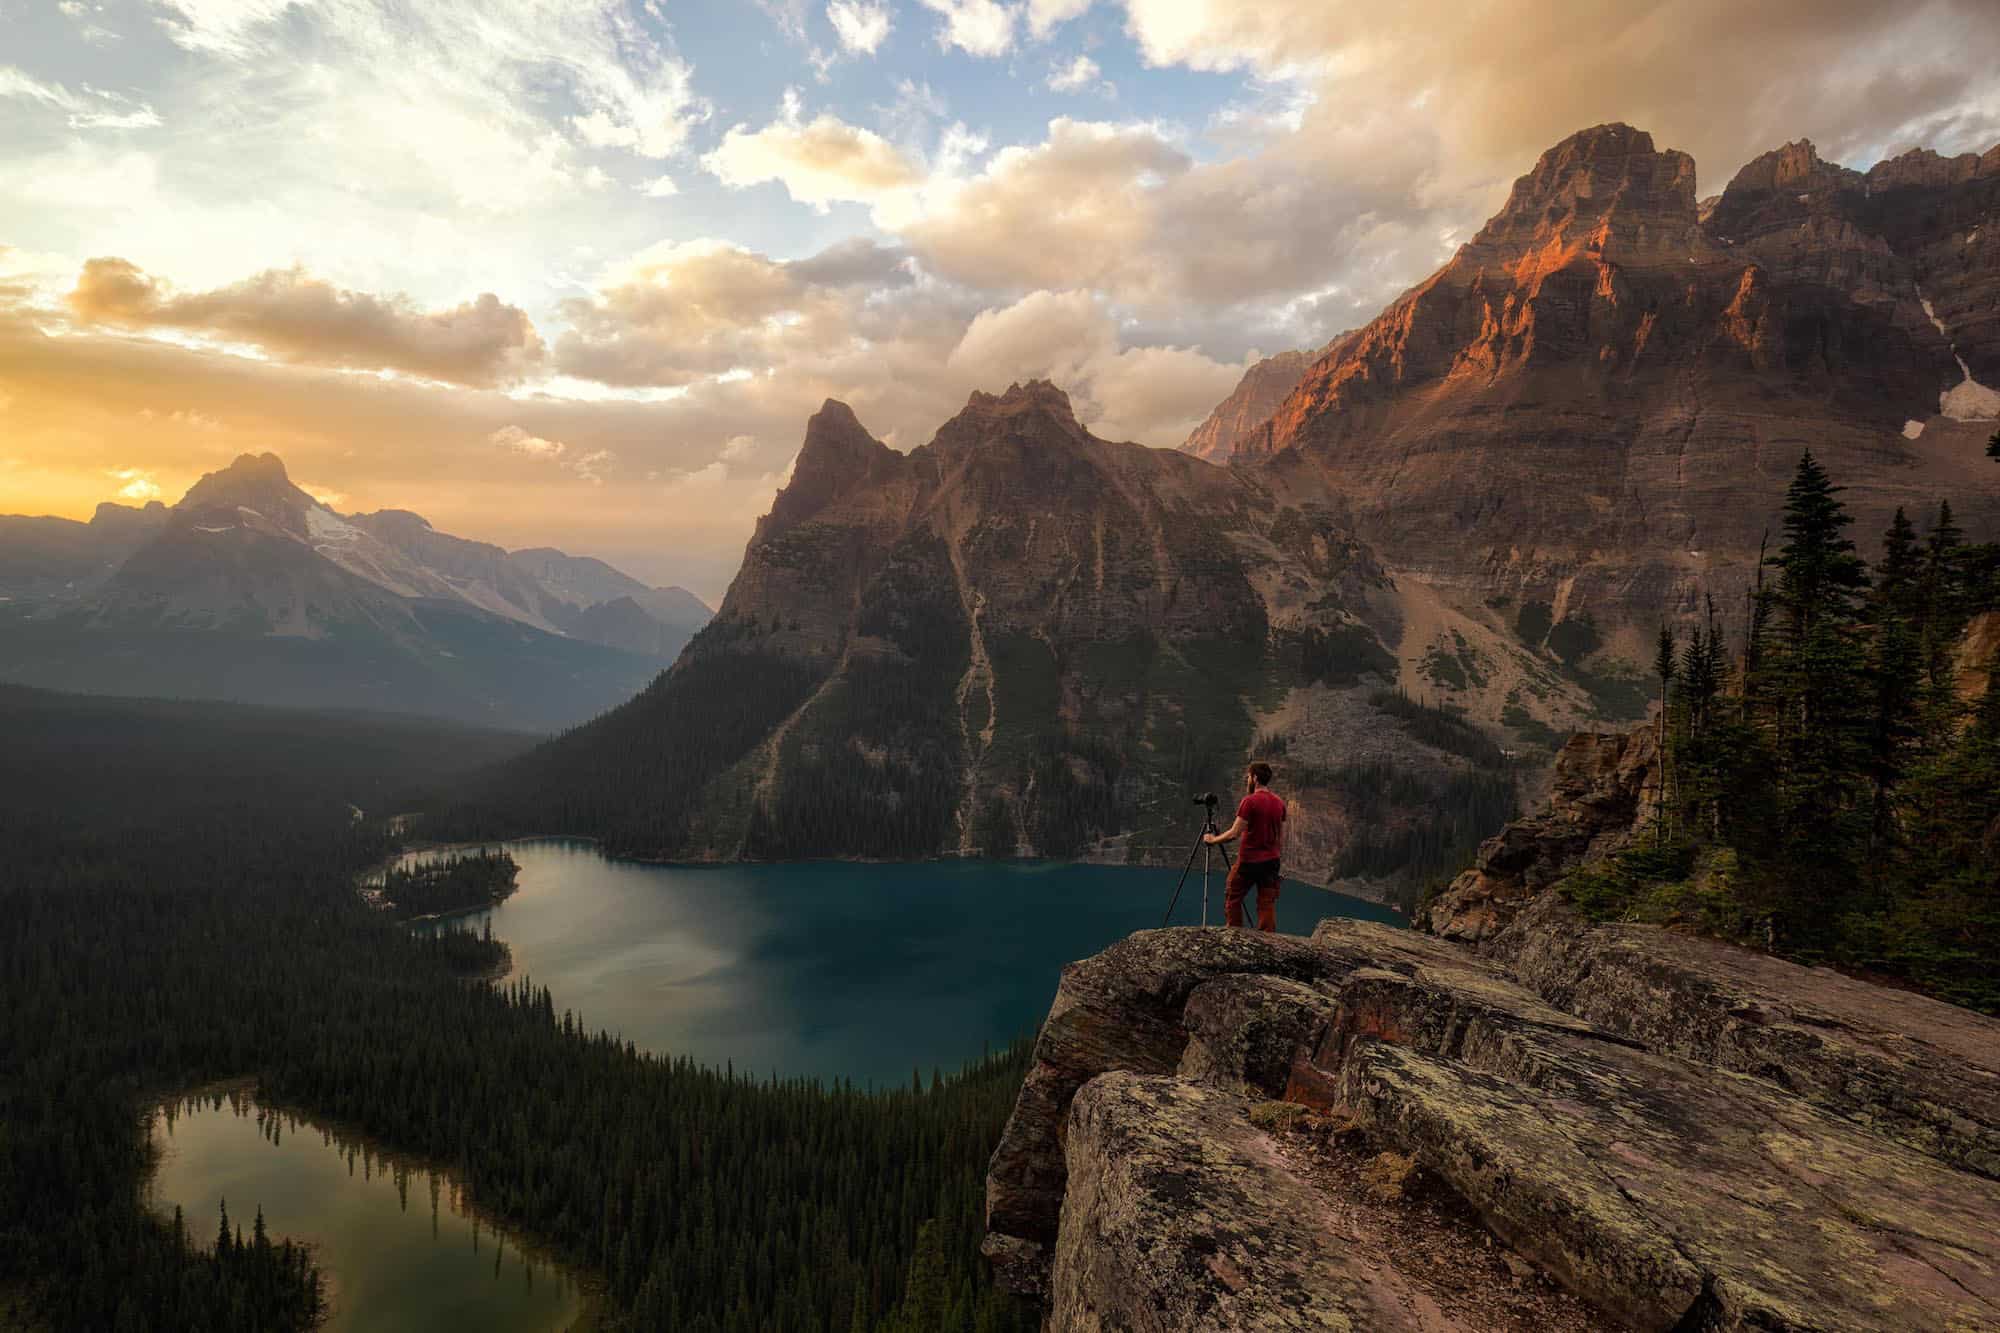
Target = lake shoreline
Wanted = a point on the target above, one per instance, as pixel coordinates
(588, 1286)
(708, 862)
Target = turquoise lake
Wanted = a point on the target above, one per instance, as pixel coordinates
(832, 968)
(825, 969)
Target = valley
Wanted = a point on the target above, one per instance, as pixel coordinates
(1619, 603)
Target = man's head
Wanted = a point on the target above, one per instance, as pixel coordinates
(1260, 774)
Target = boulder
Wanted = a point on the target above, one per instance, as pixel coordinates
(1246, 1032)
(1118, 1010)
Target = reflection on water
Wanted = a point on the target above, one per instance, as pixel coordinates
(396, 1243)
(834, 969)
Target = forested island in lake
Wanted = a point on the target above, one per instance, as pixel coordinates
(459, 881)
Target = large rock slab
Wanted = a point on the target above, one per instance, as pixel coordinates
(1667, 1193)
(1590, 1120)
(1181, 1217)
(1915, 1070)
(1712, 1212)
(1118, 1010)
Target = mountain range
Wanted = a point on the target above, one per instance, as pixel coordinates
(1434, 547)
(250, 589)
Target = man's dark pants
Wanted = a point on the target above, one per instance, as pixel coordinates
(1264, 877)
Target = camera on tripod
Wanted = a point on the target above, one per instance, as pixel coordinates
(1208, 800)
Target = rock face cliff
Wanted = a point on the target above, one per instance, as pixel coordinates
(1261, 392)
(1599, 400)
(1021, 637)
(1602, 795)
(1016, 637)
(1682, 1135)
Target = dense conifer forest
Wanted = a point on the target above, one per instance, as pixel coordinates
(1829, 791)
(178, 907)
(456, 882)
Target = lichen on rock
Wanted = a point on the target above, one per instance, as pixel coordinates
(1651, 1169)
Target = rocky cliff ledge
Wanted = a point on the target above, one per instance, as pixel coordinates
(1682, 1136)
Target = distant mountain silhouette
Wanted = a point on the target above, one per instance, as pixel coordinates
(249, 589)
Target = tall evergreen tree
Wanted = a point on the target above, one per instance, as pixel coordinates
(1895, 666)
(1817, 690)
(1941, 619)
(1664, 667)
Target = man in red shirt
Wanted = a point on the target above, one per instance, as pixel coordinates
(1260, 822)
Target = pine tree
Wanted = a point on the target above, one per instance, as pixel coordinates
(1664, 668)
(1941, 618)
(1817, 687)
(1895, 667)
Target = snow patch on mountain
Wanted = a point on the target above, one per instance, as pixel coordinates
(327, 526)
(1969, 400)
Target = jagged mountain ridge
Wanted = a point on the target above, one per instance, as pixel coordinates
(1261, 392)
(1017, 637)
(1021, 637)
(1601, 396)
(250, 589)
(43, 557)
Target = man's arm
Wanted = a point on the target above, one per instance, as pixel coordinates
(1230, 834)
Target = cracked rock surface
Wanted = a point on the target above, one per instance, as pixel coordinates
(1615, 1121)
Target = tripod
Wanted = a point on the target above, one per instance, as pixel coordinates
(1206, 850)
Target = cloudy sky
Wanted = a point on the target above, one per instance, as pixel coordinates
(576, 271)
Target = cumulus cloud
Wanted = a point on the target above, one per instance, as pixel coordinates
(861, 321)
(590, 466)
(1151, 394)
(1499, 83)
(820, 162)
(534, 446)
(1045, 16)
(976, 27)
(296, 317)
(1081, 209)
(860, 26)
(1074, 76)
(677, 313)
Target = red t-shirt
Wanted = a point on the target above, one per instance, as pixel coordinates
(1263, 816)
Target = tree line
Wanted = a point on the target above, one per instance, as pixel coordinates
(455, 882)
(1829, 790)
(160, 935)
